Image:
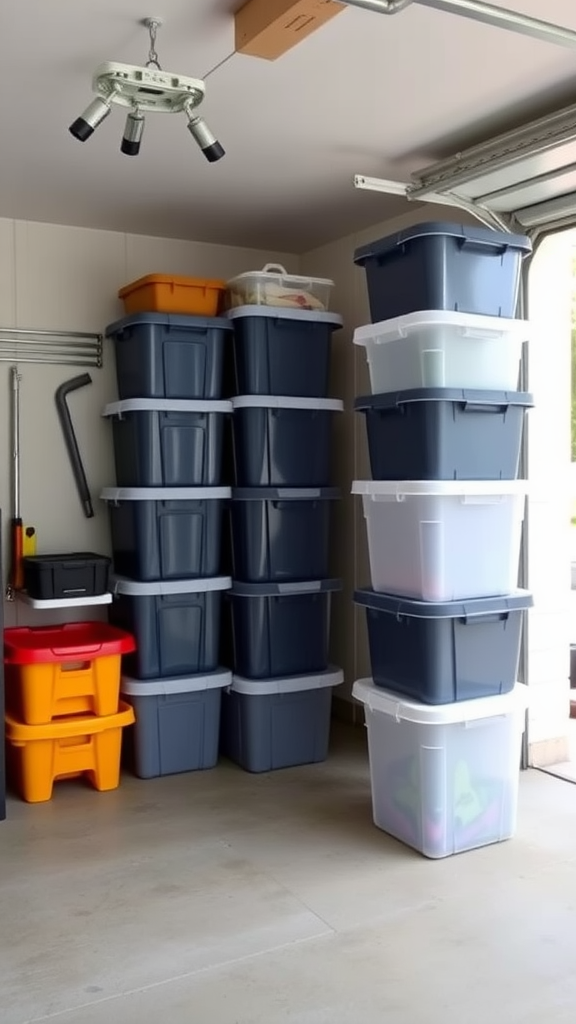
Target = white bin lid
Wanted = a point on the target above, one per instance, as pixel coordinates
(276, 272)
(477, 489)
(116, 494)
(291, 684)
(315, 316)
(133, 588)
(376, 699)
(468, 325)
(287, 402)
(182, 684)
(166, 405)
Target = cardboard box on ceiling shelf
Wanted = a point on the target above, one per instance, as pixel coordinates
(268, 28)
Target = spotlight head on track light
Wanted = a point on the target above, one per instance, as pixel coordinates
(85, 125)
(133, 133)
(202, 135)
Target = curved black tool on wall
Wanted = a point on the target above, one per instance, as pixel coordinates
(70, 438)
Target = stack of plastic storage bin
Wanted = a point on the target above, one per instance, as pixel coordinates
(166, 525)
(277, 711)
(444, 515)
(63, 713)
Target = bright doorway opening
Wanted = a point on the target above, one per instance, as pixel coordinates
(550, 541)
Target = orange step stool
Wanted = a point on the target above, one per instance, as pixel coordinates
(37, 755)
(63, 670)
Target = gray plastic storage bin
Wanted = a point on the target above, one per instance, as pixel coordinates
(282, 351)
(164, 443)
(176, 625)
(444, 434)
(177, 726)
(281, 629)
(439, 653)
(166, 533)
(159, 355)
(282, 441)
(439, 265)
(280, 533)
(278, 723)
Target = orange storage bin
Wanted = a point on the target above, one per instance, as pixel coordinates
(161, 293)
(37, 755)
(63, 670)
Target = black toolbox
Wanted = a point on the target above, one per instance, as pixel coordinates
(57, 577)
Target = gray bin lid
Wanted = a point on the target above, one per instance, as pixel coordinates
(462, 396)
(191, 405)
(219, 679)
(496, 240)
(285, 493)
(116, 494)
(287, 402)
(163, 588)
(313, 316)
(291, 684)
(478, 606)
(202, 323)
(288, 589)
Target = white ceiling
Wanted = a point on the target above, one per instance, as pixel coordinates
(371, 94)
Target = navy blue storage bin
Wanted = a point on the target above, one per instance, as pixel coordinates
(281, 629)
(282, 351)
(166, 533)
(278, 723)
(439, 265)
(443, 653)
(177, 726)
(444, 434)
(164, 443)
(159, 355)
(280, 533)
(282, 441)
(176, 625)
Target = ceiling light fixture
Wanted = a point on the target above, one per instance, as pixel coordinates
(146, 89)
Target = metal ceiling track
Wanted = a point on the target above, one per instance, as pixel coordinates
(521, 179)
(478, 10)
(500, 181)
(57, 348)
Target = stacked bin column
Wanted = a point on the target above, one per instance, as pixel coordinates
(444, 513)
(166, 523)
(277, 712)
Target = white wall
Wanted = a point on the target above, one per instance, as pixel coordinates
(55, 277)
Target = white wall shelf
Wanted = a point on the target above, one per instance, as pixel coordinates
(64, 602)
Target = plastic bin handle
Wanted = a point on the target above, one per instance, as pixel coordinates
(484, 246)
(481, 620)
(275, 268)
(299, 588)
(484, 407)
(84, 651)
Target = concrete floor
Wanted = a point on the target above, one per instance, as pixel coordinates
(225, 898)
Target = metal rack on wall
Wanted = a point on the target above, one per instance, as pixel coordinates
(59, 348)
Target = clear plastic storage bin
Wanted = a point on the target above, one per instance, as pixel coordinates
(444, 779)
(443, 540)
(274, 286)
(443, 349)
